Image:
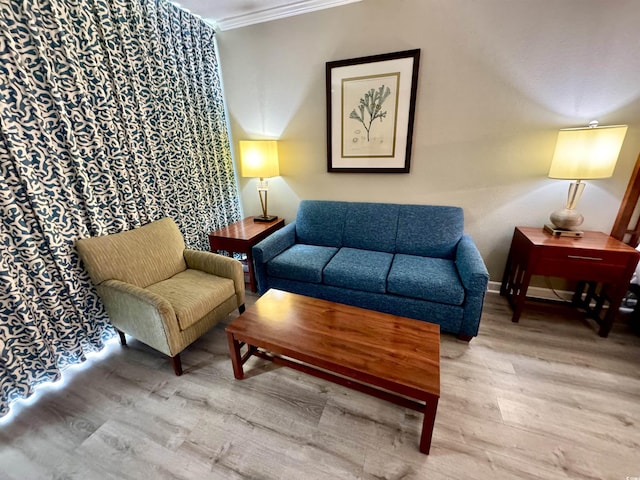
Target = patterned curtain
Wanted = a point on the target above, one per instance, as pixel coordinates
(111, 116)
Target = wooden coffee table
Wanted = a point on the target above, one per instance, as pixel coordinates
(393, 358)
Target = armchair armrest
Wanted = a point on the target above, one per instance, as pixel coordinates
(219, 265)
(140, 313)
(473, 272)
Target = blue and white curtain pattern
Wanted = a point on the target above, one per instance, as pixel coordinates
(111, 116)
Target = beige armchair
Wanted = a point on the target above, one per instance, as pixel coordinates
(157, 291)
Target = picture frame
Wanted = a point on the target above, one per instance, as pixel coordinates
(370, 112)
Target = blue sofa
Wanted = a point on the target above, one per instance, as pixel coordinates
(408, 260)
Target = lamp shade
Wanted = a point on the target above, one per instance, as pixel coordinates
(587, 153)
(259, 158)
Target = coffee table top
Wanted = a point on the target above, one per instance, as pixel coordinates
(397, 353)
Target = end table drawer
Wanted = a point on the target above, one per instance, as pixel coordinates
(585, 255)
(582, 268)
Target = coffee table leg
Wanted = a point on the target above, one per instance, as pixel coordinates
(236, 359)
(427, 424)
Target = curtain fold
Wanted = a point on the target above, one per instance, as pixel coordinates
(111, 116)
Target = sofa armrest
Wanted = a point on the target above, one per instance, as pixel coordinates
(471, 268)
(273, 245)
(475, 278)
(140, 313)
(219, 265)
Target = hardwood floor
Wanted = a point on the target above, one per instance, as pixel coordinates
(543, 399)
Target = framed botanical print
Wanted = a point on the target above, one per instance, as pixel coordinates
(370, 112)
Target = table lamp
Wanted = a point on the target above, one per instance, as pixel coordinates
(259, 158)
(582, 154)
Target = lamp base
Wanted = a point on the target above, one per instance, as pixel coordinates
(562, 232)
(566, 219)
(268, 218)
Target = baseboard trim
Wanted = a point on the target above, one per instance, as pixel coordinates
(537, 292)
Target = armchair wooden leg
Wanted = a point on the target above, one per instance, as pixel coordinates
(466, 338)
(176, 364)
(241, 309)
(123, 340)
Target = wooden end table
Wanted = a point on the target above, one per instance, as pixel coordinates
(240, 237)
(390, 357)
(595, 258)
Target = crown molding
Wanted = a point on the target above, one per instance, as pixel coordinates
(275, 13)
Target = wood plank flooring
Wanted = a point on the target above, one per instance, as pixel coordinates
(543, 399)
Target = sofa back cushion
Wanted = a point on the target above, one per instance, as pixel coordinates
(320, 222)
(371, 226)
(429, 230)
(142, 256)
(424, 230)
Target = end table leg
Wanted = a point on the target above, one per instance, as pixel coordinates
(236, 359)
(507, 278)
(520, 295)
(252, 274)
(427, 424)
(615, 300)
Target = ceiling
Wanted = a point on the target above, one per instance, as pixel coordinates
(228, 14)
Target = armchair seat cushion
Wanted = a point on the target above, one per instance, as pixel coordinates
(193, 294)
(359, 269)
(426, 278)
(301, 262)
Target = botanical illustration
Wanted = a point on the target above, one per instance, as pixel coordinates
(370, 111)
(369, 115)
(372, 103)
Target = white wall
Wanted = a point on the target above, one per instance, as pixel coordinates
(497, 79)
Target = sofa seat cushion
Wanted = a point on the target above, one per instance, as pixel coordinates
(426, 278)
(357, 269)
(193, 294)
(301, 262)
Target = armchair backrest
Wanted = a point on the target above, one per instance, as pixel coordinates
(142, 256)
